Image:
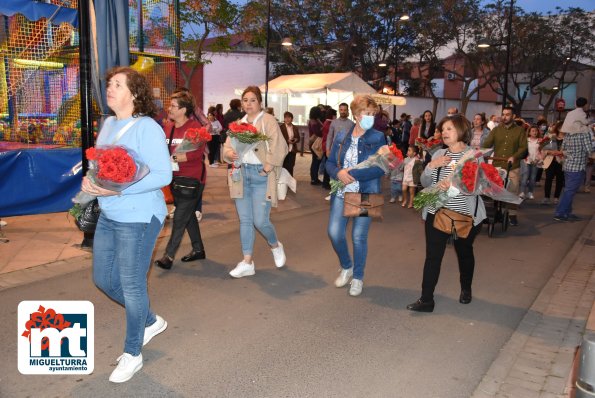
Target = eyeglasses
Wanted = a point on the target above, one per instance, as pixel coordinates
(174, 106)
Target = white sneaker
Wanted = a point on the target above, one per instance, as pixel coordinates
(344, 277)
(392, 200)
(530, 195)
(242, 269)
(153, 330)
(328, 198)
(400, 198)
(198, 215)
(522, 195)
(556, 201)
(279, 255)
(128, 365)
(356, 287)
(3, 223)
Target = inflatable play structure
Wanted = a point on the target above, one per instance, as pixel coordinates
(40, 95)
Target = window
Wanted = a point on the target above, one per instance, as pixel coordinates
(568, 92)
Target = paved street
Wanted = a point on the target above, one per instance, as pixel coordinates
(290, 332)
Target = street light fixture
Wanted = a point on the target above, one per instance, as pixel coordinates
(285, 43)
(404, 17)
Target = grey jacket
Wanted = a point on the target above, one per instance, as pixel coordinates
(479, 213)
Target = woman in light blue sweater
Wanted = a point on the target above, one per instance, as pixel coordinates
(131, 220)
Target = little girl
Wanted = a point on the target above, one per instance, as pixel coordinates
(529, 164)
(408, 183)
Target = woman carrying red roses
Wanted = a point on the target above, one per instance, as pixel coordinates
(456, 136)
(130, 220)
(186, 187)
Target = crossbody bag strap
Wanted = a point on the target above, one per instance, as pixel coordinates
(124, 130)
(341, 146)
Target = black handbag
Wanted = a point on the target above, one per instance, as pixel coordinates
(185, 187)
(86, 221)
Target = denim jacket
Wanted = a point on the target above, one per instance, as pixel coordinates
(369, 178)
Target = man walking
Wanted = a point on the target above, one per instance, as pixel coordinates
(576, 148)
(342, 123)
(510, 142)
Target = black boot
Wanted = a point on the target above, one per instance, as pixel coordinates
(421, 306)
(465, 297)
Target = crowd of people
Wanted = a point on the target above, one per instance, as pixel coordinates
(130, 220)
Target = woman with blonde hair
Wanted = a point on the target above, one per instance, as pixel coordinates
(256, 190)
(350, 148)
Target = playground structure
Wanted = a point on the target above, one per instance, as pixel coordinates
(40, 96)
(39, 72)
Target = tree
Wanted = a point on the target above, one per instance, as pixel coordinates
(199, 19)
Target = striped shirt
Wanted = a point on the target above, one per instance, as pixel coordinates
(457, 203)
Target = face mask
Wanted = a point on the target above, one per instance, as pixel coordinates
(542, 128)
(366, 122)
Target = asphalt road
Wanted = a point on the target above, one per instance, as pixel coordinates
(291, 333)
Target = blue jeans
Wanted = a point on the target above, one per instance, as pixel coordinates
(337, 228)
(396, 188)
(528, 177)
(254, 210)
(573, 180)
(121, 259)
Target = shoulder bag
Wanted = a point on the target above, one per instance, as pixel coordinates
(452, 222)
(357, 204)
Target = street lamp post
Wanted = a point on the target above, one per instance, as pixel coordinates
(483, 43)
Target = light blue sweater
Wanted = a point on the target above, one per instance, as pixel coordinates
(144, 199)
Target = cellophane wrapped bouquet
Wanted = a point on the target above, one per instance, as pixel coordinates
(387, 158)
(470, 176)
(430, 145)
(193, 139)
(111, 167)
(244, 137)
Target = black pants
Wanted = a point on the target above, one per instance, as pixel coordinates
(326, 180)
(289, 162)
(184, 220)
(435, 246)
(314, 166)
(214, 149)
(554, 171)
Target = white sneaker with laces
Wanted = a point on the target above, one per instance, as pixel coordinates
(128, 365)
(153, 330)
(279, 255)
(392, 200)
(344, 277)
(242, 269)
(530, 195)
(198, 215)
(356, 287)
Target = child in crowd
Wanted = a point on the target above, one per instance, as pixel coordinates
(530, 164)
(409, 184)
(396, 183)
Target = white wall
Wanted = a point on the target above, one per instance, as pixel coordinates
(228, 72)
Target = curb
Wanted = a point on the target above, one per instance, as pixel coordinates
(528, 365)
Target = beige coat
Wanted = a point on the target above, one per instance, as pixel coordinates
(272, 152)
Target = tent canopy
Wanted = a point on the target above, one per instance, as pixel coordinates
(319, 82)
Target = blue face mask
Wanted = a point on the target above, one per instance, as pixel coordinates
(366, 122)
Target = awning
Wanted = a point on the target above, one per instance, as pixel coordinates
(319, 82)
(34, 11)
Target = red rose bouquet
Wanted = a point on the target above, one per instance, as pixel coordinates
(244, 137)
(432, 145)
(543, 142)
(420, 142)
(111, 167)
(193, 139)
(470, 176)
(491, 183)
(387, 158)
